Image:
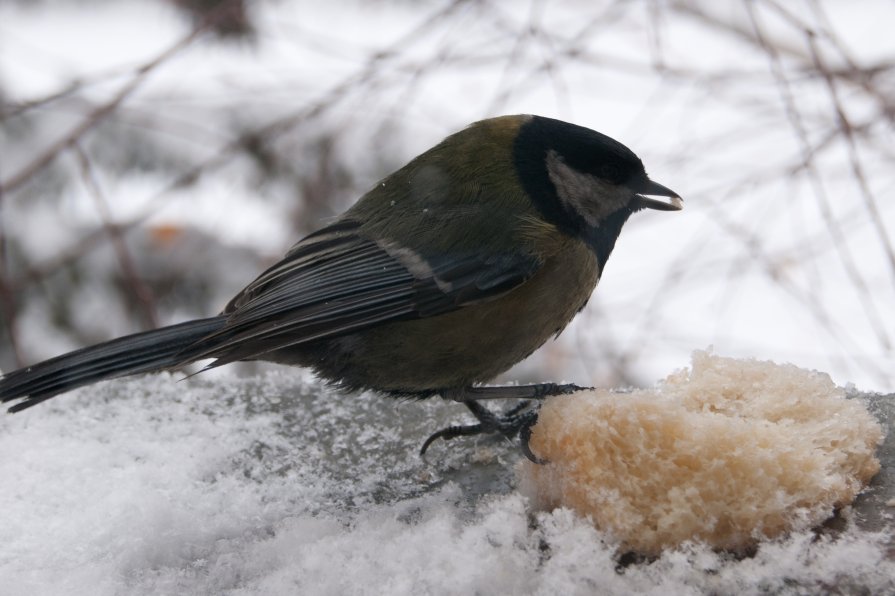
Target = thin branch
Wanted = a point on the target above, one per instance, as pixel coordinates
(96, 116)
(141, 291)
(847, 131)
(8, 306)
(836, 233)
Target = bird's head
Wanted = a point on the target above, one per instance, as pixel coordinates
(584, 182)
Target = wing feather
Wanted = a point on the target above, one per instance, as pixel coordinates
(336, 281)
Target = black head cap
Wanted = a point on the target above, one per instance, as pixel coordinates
(583, 182)
(583, 150)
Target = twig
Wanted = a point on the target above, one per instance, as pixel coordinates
(95, 117)
(847, 131)
(836, 233)
(7, 295)
(141, 291)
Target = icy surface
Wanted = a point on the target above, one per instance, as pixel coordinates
(277, 486)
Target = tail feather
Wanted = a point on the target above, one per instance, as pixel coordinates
(138, 353)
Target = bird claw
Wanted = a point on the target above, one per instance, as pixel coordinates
(525, 440)
(452, 432)
(515, 421)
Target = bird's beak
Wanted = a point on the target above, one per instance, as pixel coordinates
(647, 189)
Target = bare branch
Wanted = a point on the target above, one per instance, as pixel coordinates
(96, 116)
(140, 290)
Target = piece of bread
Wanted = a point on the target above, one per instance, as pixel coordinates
(729, 453)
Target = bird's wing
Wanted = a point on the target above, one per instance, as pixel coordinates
(336, 281)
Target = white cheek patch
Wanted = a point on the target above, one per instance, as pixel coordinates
(591, 197)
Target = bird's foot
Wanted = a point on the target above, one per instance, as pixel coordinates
(518, 420)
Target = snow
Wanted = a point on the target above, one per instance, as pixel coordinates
(272, 485)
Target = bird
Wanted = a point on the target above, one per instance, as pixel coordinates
(445, 274)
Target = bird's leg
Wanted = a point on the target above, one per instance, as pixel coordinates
(518, 420)
(537, 391)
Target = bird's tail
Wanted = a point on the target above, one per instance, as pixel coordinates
(148, 351)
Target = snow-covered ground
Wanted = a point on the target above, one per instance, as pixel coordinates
(274, 486)
(783, 250)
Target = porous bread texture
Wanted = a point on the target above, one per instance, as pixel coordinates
(729, 453)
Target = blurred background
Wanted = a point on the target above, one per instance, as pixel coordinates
(155, 155)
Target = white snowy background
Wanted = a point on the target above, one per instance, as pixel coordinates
(773, 120)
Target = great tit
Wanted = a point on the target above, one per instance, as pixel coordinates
(445, 274)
